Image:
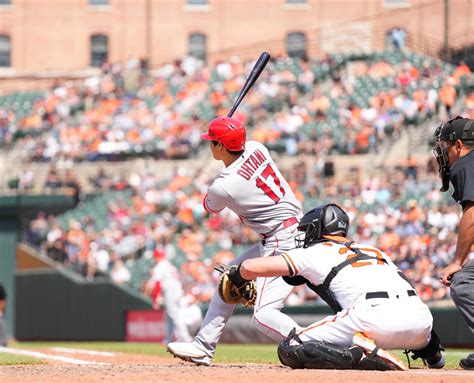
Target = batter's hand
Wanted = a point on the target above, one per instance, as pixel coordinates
(448, 272)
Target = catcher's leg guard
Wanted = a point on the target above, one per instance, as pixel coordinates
(431, 353)
(294, 353)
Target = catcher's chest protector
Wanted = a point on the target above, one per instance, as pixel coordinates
(323, 289)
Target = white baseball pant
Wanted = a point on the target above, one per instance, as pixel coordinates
(398, 322)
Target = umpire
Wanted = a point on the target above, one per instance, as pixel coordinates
(3, 302)
(454, 151)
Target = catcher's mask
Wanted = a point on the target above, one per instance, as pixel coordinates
(327, 219)
(458, 128)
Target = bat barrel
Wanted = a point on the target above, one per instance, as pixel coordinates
(253, 76)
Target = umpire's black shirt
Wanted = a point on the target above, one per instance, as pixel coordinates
(462, 178)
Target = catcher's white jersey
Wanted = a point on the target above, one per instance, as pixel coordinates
(375, 300)
(315, 263)
(253, 188)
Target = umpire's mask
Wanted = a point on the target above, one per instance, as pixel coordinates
(458, 128)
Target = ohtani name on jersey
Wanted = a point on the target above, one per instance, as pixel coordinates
(251, 164)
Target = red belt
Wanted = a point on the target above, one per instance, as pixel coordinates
(290, 222)
(286, 224)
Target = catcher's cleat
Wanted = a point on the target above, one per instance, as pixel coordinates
(189, 353)
(430, 354)
(375, 357)
(436, 361)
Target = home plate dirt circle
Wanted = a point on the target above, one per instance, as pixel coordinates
(143, 368)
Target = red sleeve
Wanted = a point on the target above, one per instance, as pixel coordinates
(156, 291)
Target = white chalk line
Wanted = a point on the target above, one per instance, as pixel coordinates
(82, 351)
(41, 355)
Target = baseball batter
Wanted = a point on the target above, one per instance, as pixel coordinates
(363, 286)
(251, 186)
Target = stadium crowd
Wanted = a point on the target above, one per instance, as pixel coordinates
(154, 219)
(305, 108)
(126, 111)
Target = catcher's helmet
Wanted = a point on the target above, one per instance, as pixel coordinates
(228, 131)
(327, 219)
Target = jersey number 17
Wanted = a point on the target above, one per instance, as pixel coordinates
(264, 184)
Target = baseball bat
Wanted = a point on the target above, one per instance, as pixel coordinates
(253, 76)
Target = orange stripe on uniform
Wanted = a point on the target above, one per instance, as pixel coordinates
(326, 321)
(292, 264)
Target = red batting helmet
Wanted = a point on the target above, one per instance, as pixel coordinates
(228, 131)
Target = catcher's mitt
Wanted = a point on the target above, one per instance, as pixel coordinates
(233, 289)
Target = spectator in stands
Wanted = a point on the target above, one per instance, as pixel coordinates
(98, 261)
(120, 274)
(101, 180)
(71, 182)
(52, 179)
(447, 95)
(398, 36)
(25, 179)
(6, 127)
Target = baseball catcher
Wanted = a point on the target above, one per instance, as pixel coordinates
(376, 307)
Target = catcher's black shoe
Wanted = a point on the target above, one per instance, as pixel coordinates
(436, 361)
(431, 354)
(467, 363)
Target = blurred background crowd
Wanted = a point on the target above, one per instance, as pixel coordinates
(342, 103)
(304, 110)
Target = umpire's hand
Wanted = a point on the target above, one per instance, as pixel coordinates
(448, 273)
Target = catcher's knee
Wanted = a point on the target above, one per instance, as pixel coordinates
(315, 355)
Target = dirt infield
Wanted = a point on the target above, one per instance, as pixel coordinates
(140, 368)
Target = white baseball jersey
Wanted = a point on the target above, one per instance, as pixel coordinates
(167, 274)
(315, 263)
(254, 189)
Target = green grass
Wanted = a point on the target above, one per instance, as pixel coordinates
(226, 353)
(8, 359)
